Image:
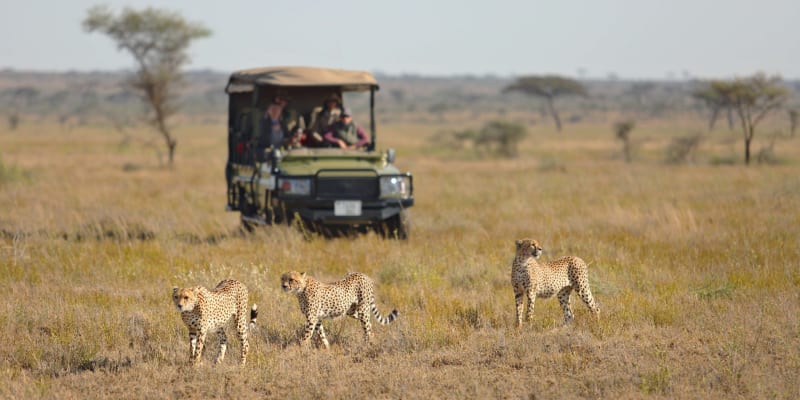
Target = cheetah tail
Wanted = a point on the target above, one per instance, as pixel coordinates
(384, 320)
(253, 316)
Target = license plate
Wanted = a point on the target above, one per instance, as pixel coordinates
(347, 208)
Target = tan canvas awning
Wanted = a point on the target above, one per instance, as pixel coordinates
(348, 80)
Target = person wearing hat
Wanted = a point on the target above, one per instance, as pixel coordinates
(328, 114)
(274, 131)
(345, 133)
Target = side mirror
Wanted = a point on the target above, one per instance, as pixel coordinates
(390, 155)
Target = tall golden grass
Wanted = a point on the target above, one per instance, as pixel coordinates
(695, 268)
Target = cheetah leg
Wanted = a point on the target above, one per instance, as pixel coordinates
(241, 331)
(223, 345)
(198, 353)
(531, 292)
(563, 298)
(192, 345)
(518, 298)
(586, 296)
(311, 325)
(354, 312)
(367, 325)
(322, 337)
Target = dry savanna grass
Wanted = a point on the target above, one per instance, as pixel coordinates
(695, 268)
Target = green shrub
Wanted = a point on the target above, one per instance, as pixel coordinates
(682, 149)
(501, 137)
(498, 138)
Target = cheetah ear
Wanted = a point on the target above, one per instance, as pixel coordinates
(519, 243)
(174, 290)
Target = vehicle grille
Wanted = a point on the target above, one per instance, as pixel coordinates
(347, 188)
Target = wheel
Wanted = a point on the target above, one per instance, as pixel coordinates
(247, 227)
(274, 213)
(396, 227)
(247, 209)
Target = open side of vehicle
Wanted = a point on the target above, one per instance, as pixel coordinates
(327, 190)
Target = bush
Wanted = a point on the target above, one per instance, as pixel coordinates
(13, 121)
(496, 137)
(622, 130)
(766, 155)
(501, 137)
(682, 149)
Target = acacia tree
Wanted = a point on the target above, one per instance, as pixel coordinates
(752, 98)
(158, 41)
(547, 87)
(715, 101)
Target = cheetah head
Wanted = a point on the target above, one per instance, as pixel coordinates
(293, 282)
(185, 299)
(529, 247)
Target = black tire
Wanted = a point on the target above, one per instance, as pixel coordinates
(275, 215)
(396, 227)
(247, 209)
(247, 227)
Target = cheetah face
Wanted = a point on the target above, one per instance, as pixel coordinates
(185, 299)
(293, 282)
(529, 246)
(536, 249)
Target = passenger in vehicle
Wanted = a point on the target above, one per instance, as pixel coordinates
(243, 133)
(301, 138)
(273, 132)
(323, 117)
(346, 134)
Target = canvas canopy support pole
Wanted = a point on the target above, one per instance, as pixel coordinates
(255, 97)
(372, 117)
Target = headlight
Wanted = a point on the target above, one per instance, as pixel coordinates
(395, 186)
(299, 187)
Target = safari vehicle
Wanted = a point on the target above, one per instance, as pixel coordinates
(327, 190)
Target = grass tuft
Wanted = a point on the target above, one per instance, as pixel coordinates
(11, 174)
(712, 291)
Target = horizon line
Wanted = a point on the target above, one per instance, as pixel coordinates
(610, 77)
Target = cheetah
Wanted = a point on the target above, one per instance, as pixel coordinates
(352, 296)
(203, 311)
(558, 277)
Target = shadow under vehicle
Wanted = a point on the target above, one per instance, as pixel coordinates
(323, 189)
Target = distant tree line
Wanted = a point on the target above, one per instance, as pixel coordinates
(74, 97)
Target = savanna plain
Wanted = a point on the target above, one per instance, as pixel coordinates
(695, 267)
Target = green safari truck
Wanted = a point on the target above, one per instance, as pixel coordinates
(304, 178)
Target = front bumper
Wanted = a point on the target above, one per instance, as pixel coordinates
(322, 211)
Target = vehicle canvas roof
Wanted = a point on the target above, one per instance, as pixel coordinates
(348, 80)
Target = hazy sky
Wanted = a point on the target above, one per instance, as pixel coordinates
(591, 38)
